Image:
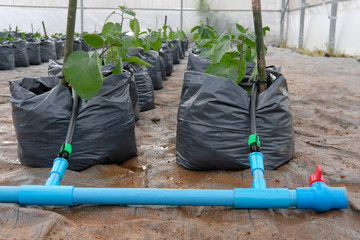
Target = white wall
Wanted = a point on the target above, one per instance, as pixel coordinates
(317, 24)
(151, 14)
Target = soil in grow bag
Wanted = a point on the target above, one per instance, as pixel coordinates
(33, 51)
(104, 130)
(168, 57)
(214, 123)
(176, 51)
(7, 60)
(153, 58)
(47, 50)
(20, 53)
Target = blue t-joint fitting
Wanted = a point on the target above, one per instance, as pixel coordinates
(57, 171)
(257, 169)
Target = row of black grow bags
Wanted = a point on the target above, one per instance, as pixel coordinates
(21, 53)
(214, 124)
(104, 130)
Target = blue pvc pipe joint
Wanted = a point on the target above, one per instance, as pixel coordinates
(57, 172)
(257, 169)
(322, 198)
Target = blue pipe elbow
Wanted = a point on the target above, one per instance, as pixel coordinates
(321, 198)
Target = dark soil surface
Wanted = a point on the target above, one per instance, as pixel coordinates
(325, 95)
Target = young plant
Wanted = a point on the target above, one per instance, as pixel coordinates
(229, 62)
(83, 71)
(148, 40)
(205, 37)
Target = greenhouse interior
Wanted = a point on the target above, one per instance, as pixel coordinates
(179, 119)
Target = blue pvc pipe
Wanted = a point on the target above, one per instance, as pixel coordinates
(318, 196)
(147, 196)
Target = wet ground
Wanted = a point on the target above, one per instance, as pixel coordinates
(325, 95)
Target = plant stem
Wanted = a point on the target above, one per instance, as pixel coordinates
(256, 7)
(241, 54)
(70, 29)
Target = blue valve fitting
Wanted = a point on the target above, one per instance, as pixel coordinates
(321, 198)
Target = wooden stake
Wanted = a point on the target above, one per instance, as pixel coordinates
(43, 24)
(260, 49)
(70, 29)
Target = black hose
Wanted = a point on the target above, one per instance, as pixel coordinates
(253, 108)
(254, 142)
(74, 110)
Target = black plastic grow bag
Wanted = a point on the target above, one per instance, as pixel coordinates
(145, 88)
(214, 125)
(168, 57)
(162, 65)
(33, 51)
(20, 53)
(59, 49)
(77, 45)
(153, 58)
(197, 62)
(47, 50)
(176, 51)
(104, 130)
(7, 60)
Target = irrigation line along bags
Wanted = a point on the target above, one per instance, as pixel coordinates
(214, 123)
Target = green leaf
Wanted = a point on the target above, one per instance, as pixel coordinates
(154, 42)
(117, 42)
(206, 53)
(250, 55)
(240, 28)
(107, 18)
(242, 71)
(83, 73)
(94, 40)
(128, 11)
(172, 35)
(220, 48)
(194, 29)
(135, 27)
(119, 66)
(249, 42)
(221, 70)
(265, 29)
(107, 28)
(137, 60)
(117, 28)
